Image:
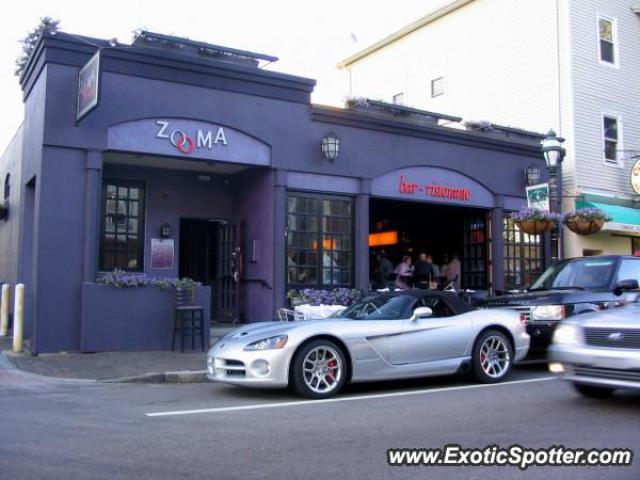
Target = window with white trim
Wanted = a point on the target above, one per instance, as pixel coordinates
(607, 41)
(611, 138)
(437, 87)
(398, 98)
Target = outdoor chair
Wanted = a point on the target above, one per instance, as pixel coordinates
(189, 319)
(286, 315)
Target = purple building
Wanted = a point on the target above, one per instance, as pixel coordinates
(176, 158)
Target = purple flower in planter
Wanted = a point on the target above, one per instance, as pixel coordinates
(121, 279)
(535, 214)
(587, 214)
(337, 296)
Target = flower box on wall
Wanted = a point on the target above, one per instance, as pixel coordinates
(115, 319)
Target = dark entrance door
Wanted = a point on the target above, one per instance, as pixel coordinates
(210, 254)
(475, 258)
(228, 272)
(198, 253)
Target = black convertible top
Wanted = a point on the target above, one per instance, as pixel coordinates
(457, 304)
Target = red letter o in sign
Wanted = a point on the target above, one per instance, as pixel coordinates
(183, 143)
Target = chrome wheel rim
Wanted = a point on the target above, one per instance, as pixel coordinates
(495, 357)
(322, 369)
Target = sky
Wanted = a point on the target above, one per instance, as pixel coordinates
(309, 38)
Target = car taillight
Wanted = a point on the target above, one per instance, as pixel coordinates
(523, 318)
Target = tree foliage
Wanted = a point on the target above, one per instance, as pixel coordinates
(28, 43)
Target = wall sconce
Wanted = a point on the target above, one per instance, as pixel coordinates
(532, 175)
(165, 230)
(330, 146)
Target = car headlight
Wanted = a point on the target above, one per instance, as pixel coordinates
(270, 343)
(567, 334)
(548, 312)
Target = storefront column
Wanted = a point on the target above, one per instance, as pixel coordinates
(279, 238)
(361, 237)
(93, 187)
(497, 246)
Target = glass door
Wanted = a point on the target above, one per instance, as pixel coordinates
(229, 271)
(474, 259)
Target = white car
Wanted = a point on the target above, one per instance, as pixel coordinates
(599, 352)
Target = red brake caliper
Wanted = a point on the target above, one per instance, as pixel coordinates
(333, 367)
(483, 356)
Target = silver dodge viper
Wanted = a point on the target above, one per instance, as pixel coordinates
(386, 336)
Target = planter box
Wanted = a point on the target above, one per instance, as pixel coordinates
(116, 319)
(535, 227)
(582, 226)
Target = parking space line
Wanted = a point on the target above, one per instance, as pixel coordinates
(341, 399)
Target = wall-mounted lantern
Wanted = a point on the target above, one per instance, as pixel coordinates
(532, 175)
(165, 230)
(330, 146)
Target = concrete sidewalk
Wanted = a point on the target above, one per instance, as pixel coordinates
(161, 366)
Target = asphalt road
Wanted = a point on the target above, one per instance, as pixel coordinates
(67, 429)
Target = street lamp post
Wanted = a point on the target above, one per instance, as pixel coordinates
(554, 154)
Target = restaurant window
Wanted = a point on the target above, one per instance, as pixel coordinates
(611, 138)
(122, 240)
(319, 241)
(606, 40)
(635, 246)
(523, 257)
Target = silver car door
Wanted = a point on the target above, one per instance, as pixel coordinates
(428, 339)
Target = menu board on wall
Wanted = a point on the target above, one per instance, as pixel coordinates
(162, 254)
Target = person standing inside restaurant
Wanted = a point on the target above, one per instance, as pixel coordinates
(423, 273)
(443, 269)
(435, 278)
(404, 273)
(454, 270)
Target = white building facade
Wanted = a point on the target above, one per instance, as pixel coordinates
(569, 65)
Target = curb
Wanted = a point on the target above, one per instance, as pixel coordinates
(185, 376)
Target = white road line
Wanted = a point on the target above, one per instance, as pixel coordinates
(340, 399)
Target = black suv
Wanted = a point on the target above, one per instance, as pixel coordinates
(571, 287)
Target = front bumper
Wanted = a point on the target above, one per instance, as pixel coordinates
(231, 364)
(609, 367)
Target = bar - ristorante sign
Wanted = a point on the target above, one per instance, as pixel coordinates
(433, 190)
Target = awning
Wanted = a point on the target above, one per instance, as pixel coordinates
(624, 219)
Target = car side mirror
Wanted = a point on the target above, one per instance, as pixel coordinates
(625, 285)
(422, 312)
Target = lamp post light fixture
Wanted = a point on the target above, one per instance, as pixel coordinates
(553, 150)
(165, 230)
(532, 175)
(554, 153)
(330, 146)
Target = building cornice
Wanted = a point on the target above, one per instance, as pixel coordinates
(350, 118)
(71, 50)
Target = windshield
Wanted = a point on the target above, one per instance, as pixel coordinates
(381, 307)
(582, 273)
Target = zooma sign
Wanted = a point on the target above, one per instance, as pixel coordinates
(188, 143)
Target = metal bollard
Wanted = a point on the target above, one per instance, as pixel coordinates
(18, 318)
(4, 311)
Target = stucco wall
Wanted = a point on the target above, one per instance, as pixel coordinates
(10, 164)
(253, 204)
